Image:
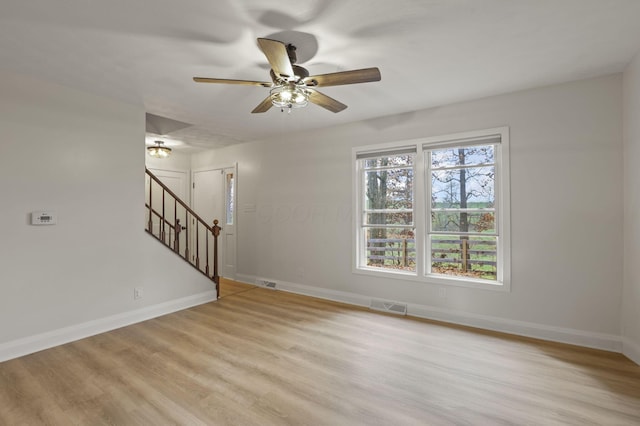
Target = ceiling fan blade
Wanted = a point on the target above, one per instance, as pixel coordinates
(263, 106)
(344, 77)
(325, 101)
(276, 53)
(229, 81)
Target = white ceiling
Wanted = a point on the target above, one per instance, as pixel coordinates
(430, 53)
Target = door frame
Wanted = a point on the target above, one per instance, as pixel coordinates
(188, 179)
(222, 224)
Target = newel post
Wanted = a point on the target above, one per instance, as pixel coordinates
(216, 232)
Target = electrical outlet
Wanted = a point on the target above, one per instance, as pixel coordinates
(137, 293)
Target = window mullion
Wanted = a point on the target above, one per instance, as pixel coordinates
(419, 213)
(465, 166)
(428, 212)
(465, 210)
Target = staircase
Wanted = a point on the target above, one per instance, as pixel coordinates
(172, 222)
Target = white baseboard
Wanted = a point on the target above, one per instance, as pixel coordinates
(607, 342)
(631, 350)
(38, 342)
(319, 292)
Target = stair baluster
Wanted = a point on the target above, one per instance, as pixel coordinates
(177, 227)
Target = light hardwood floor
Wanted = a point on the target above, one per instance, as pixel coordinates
(263, 357)
(229, 287)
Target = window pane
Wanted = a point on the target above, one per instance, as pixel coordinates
(404, 218)
(389, 189)
(463, 222)
(391, 248)
(474, 257)
(463, 156)
(230, 189)
(394, 160)
(472, 187)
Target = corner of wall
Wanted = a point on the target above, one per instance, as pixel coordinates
(631, 350)
(630, 315)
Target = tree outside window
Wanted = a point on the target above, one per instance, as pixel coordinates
(388, 212)
(435, 209)
(462, 229)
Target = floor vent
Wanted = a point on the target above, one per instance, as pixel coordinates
(266, 284)
(389, 306)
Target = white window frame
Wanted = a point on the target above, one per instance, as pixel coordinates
(360, 245)
(421, 211)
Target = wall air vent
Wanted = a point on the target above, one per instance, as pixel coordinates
(389, 306)
(266, 284)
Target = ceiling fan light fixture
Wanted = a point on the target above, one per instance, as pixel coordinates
(159, 150)
(289, 96)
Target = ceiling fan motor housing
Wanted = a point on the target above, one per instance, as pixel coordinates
(291, 52)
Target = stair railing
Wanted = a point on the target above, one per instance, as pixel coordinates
(171, 221)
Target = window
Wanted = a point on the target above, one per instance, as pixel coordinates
(435, 210)
(230, 197)
(387, 210)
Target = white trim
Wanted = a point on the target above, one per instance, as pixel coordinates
(431, 279)
(463, 137)
(49, 339)
(607, 342)
(631, 350)
(319, 292)
(234, 166)
(421, 188)
(356, 186)
(603, 341)
(234, 226)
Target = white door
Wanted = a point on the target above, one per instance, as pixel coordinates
(177, 182)
(213, 197)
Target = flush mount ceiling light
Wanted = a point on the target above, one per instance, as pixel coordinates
(159, 150)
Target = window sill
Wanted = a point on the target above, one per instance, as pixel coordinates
(434, 279)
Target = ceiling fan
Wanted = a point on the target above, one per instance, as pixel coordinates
(291, 85)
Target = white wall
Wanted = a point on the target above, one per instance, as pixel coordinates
(631, 289)
(83, 157)
(294, 212)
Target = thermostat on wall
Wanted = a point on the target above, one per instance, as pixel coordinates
(43, 218)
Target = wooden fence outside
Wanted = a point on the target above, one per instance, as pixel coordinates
(402, 252)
